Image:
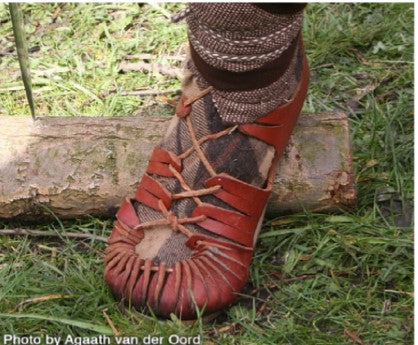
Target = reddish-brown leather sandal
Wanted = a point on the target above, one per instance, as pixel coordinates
(218, 267)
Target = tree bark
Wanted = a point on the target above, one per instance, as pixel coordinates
(79, 166)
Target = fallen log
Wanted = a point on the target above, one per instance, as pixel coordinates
(79, 166)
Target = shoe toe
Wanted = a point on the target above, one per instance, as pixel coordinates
(202, 284)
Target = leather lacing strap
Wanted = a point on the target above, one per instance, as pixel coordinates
(206, 257)
(236, 226)
(183, 111)
(177, 224)
(171, 219)
(198, 96)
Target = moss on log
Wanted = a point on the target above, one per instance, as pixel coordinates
(86, 166)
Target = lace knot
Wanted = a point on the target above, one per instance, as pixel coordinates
(174, 221)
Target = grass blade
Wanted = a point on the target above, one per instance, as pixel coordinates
(76, 323)
(22, 52)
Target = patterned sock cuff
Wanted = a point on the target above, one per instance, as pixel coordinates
(240, 37)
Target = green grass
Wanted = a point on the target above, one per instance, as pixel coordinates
(89, 41)
(357, 267)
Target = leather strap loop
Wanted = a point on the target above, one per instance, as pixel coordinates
(276, 127)
(231, 225)
(127, 214)
(150, 191)
(146, 198)
(183, 110)
(159, 161)
(239, 194)
(163, 156)
(194, 243)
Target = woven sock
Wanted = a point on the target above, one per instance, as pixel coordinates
(256, 51)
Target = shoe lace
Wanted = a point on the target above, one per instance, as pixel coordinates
(183, 110)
